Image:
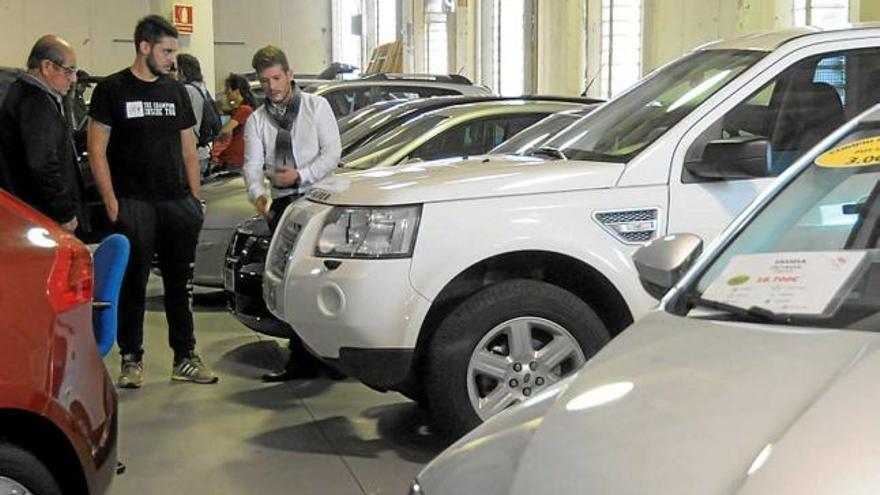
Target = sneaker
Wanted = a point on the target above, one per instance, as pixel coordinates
(132, 375)
(192, 369)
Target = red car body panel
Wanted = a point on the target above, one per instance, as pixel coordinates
(49, 363)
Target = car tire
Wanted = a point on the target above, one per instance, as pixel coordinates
(485, 325)
(21, 469)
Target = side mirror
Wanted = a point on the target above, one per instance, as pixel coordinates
(662, 262)
(737, 158)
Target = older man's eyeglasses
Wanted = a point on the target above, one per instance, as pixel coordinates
(67, 70)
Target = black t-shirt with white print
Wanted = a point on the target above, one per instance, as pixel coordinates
(145, 119)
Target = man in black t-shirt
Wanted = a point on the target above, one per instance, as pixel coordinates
(143, 156)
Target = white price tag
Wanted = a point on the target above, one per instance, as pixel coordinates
(801, 283)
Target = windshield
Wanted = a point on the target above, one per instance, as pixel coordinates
(536, 135)
(621, 129)
(380, 148)
(812, 253)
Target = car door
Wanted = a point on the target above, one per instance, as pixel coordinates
(474, 137)
(793, 110)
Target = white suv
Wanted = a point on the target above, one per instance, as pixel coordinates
(475, 284)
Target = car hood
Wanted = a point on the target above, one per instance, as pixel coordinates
(227, 204)
(456, 179)
(687, 406)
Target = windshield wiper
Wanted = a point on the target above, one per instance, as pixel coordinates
(756, 313)
(549, 151)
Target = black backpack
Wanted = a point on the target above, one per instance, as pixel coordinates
(211, 124)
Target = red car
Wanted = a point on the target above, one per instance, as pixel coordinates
(57, 404)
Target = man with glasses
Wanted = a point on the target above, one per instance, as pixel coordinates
(142, 151)
(38, 161)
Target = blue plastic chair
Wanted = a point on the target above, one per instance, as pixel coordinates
(110, 261)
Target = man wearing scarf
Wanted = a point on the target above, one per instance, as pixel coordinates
(38, 160)
(291, 140)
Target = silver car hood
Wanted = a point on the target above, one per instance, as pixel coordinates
(687, 406)
(457, 179)
(227, 204)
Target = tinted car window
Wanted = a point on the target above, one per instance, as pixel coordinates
(475, 137)
(372, 153)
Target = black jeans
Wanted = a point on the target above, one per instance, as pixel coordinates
(169, 228)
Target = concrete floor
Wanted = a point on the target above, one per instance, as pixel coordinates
(242, 436)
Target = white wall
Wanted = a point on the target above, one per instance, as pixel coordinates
(299, 27)
(99, 30)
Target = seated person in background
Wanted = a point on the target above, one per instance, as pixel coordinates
(229, 148)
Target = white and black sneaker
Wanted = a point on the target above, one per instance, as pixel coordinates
(192, 369)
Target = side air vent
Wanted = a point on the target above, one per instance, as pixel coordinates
(629, 226)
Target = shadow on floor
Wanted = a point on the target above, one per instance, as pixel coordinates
(402, 428)
(279, 396)
(250, 359)
(203, 302)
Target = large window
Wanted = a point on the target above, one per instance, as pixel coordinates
(509, 45)
(436, 38)
(621, 45)
(361, 25)
(347, 32)
(822, 13)
(386, 21)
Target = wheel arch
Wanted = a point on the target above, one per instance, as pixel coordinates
(45, 440)
(567, 272)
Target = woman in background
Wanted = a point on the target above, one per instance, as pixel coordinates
(229, 148)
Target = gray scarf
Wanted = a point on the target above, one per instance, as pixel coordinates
(282, 116)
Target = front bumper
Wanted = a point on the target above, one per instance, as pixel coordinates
(244, 297)
(381, 369)
(364, 304)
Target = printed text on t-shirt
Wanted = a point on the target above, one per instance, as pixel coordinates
(135, 109)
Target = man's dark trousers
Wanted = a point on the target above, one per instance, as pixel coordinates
(169, 228)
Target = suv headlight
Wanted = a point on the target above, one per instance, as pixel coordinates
(367, 232)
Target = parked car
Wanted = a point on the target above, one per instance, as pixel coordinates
(355, 118)
(527, 260)
(391, 118)
(455, 131)
(756, 374)
(352, 94)
(472, 129)
(243, 278)
(246, 255)
(58, 409)
(533, 137)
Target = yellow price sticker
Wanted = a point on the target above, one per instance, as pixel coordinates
(861, 153)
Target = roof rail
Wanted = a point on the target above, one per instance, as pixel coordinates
(447, 78)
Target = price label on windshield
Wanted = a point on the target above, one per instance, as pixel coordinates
(861, 153)
(801, 283)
